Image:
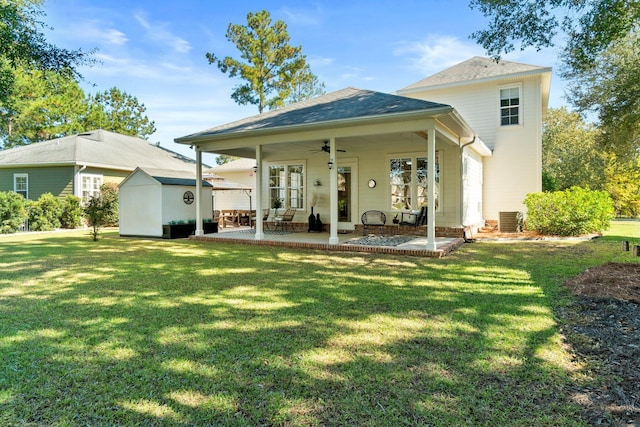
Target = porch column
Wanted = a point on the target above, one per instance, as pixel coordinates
(333, 193)
(431, 193)
(259, 224)
(199, 231)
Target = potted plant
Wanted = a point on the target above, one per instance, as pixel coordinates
(276, 204)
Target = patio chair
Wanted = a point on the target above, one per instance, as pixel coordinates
(265, 217)
(415, 218)
(286, 218)
(216, 216)
(373, 219)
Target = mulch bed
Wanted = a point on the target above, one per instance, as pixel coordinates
(603, 329)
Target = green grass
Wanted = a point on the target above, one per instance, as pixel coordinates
(152, 332)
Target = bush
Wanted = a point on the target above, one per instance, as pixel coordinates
(109, 196)
(71, 212)
(571, 212)
(45, 213)
(12, 212)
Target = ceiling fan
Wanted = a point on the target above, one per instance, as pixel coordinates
(327, 149)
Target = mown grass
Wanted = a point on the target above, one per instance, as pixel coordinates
(149, 332)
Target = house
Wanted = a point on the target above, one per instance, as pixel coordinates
(234, 184)
(150, 199)
(80, 164)
(465, 144)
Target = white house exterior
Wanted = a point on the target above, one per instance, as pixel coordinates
(474, 89)
(355, 150)
(148, 199)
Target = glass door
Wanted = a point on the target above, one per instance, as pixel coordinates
(347, 196)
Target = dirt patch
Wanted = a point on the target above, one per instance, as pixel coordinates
(603, 329)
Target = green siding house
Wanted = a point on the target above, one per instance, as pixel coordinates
(80, 164)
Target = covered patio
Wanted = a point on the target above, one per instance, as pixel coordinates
(347, 242)
(304, 151)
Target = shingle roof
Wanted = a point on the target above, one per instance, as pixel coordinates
(345, 104)
(98, 148)
(476, 68)
(179, 181)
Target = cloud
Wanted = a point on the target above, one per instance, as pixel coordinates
(302, 18)
(159, 32)
(95, 30)
(436, 52)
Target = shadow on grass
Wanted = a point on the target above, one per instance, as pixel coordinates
(148, 332)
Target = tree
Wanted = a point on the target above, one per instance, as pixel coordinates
(117, 111)
(44, 105)
(303, 85)
(22, 43)
(268, 64)
(611, 89)
(570, 154)
(591, 26)
(224, 159)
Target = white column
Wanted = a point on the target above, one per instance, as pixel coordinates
(259, 175)
(199, 230)
(431, 193)
(333, 193)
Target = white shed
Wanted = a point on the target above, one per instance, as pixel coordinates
(150, 199)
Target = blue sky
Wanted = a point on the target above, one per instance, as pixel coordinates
(155, 50)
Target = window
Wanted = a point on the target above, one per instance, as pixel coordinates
(510, 106)
(90, 186)
(286, 182)
(409, 186)
(21, 184)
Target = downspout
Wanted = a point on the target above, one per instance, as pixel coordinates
(78, 184)
(462, 181)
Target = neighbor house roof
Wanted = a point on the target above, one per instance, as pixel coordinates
(97, 148)
(346, 105)
(475, 69)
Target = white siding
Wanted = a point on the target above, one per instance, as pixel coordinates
(472, 189)
(139, 199)
(515, 168)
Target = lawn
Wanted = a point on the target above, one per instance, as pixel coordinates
(154, 332)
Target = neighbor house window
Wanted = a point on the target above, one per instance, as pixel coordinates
(90, 186)
(21, 184)
(286, 182)
(510, 106)
(409, 186)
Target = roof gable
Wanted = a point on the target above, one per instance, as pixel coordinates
(475, 69)
(342, 105)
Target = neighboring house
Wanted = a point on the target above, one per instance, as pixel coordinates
(80, 164)
(466, 145)
(234, 184)
(149, 199)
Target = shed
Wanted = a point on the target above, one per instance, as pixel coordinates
(150, 199)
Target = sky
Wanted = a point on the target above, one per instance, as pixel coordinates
(155, 50)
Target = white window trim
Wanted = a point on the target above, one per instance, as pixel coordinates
(286, 164)
(520, 106)
(92, 176)
(414, 186)
(21, 175)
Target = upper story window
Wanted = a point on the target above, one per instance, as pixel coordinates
(21, 184)
(286, 182)
(510, 106)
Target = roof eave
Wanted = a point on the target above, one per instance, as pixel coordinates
(418, 114)
(521, 74)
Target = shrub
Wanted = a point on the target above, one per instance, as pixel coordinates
(45, 213)
(71, 212)
(12, 212)
(571, 212)
(109, 196)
